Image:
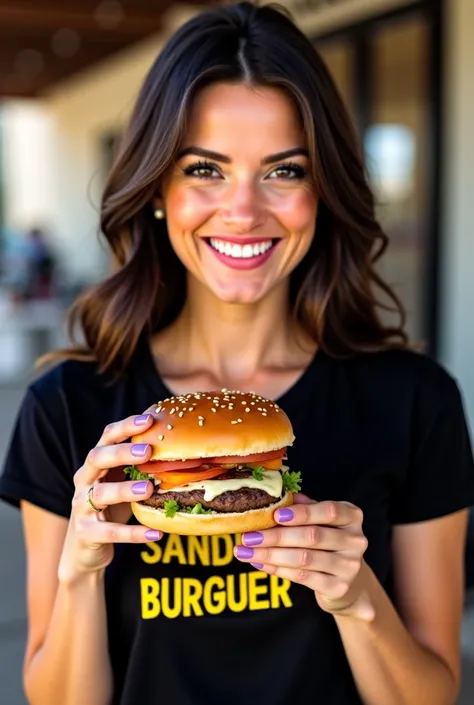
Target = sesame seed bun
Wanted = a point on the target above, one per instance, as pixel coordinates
(208, 524)
(216, 424)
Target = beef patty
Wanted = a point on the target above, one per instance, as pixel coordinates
(231, 501)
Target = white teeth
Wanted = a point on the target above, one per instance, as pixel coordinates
(238, 251)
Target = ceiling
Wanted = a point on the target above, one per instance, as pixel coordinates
(43, 42)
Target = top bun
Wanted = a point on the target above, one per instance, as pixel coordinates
(216, 424)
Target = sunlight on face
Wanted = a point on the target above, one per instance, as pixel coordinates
(240, 204)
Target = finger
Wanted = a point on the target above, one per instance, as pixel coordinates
(329, 586)
(328, 562)
(322, 513)
(120, 431)
(96, 533)
(300, 498)
(101, 458)
(321, 537)
(105, 494)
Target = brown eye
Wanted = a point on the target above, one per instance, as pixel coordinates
(201, 170)
(290, 172)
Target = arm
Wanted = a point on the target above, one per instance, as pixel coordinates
(412, 657)
(66, 661)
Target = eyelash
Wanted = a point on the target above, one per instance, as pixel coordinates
(299, 171)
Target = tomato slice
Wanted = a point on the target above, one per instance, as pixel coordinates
(172, 479)
(256, 458)
(154, 467)
(267, 464)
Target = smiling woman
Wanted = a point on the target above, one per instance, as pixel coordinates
(244, 238)
(236, 205)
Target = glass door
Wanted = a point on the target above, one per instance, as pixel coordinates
(384, 72)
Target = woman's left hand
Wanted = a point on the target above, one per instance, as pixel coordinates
(320, 545)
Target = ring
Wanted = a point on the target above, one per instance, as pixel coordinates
(89, 499)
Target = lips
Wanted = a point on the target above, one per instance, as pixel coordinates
(242, 253)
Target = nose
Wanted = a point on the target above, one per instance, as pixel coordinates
(243, 209)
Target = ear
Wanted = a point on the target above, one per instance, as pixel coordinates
(157, 202)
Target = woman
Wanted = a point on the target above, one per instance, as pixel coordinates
(244, 239)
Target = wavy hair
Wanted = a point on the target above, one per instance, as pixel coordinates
(336, 293)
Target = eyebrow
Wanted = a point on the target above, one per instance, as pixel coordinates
(270, 159)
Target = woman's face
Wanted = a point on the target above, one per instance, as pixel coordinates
(240, 204)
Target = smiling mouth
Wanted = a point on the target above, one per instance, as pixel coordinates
(237, 251)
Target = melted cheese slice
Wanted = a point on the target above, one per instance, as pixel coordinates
(271, 483)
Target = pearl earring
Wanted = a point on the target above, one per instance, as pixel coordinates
(159, 213)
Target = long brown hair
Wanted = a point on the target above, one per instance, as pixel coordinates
(335, 291)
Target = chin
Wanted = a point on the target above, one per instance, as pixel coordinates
(217, 464)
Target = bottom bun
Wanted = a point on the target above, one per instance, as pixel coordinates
(208, 524)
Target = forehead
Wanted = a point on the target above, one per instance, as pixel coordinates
(232, 115)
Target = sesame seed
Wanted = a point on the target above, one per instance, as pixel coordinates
(201, 417)
(191, 408)
(172, 410)
(247, 409)
(243, 402)
(239, 420)
(201, 422)
(264, 413)
(181, 414)
(169, 427)
(234, 422)
(158, 409)
(212, 409)
(252, 403)
(160, 438)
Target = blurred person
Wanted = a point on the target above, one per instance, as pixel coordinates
(239, 138)
(30, 266)
(40, 266)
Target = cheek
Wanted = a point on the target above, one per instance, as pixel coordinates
(298, 212)
(186, 208)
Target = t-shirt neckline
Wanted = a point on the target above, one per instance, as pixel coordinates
(161, 390)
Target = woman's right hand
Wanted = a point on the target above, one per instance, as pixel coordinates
(91, 534)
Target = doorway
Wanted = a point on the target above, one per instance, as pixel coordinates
(388, 71)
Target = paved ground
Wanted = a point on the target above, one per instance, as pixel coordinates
(12, 598)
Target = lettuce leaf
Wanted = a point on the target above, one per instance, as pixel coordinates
(292, 481)
(134, 473)
(170, 507)
(257, 473)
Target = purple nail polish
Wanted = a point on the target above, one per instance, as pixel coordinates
(142, 420)
(152, 535)
(258, 566)
(139, 449)
(243, 552)
(139, 487)
(285, 514)
(253, 538)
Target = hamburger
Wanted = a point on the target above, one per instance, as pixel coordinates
(217, 464)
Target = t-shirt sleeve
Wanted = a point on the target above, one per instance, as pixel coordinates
(440, 476)
(37, 465)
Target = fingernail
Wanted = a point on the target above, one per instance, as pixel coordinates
(139, 487)
(142, 420)
(139, 449)
(253, 538)
(152, 535)
(259, 566)
(243, 552)
(285, 514)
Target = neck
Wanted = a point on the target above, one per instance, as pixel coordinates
(234, 341)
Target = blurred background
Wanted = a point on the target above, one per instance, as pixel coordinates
(69, 73)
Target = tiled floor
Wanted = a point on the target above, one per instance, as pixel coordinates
(12, 602)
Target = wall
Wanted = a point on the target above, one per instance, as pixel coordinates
(457, 263)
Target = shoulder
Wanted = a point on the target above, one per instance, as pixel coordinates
(406, 374)
(69, 374)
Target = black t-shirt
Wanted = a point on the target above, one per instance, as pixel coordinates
(190, 624)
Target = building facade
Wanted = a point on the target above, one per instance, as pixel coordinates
(404, 70)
